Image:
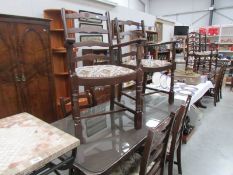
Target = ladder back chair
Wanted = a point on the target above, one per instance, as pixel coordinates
(138, 58)
(130, 44)
(203, 56)
(164, 63)
(96, 75)
(175, 141)
(153, 158)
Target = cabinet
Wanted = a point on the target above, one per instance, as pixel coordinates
(61, 76)
(26, 83)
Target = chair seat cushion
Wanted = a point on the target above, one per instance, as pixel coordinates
(102, 71)
(149, 63)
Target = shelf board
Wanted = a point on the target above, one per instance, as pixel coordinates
(210, 36)
(226, 35)
(59, 50)
(56, 30)
(225, 43)
(61, 73)
(226, 51)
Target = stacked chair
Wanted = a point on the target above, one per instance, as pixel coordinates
(201, 59)
(139, 58)
(97, 75)
(216, 92)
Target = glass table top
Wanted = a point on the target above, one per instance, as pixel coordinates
(107, 139)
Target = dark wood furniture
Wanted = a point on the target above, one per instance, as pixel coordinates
(164, 62)
(85, 101)
(176, 138)
(97, 75)
(58, 54)
(26, 81)
(153, 158)
(138, 58)
(201, 58)
(154, 154)
(110, 139)
(216, 92)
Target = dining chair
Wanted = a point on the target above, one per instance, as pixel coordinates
(86, 100)
(175, 140)
(152, 160)
(216, 90)
(132, 59)
(222, 78)
(96, 75)
(203, 56)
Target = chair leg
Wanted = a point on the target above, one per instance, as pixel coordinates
(178, 152)
(138, 115)
(214, 99)
(112, 97)
(119, 90)
(170, 167)
(144, 83)
(71, 171)
(171, 93)
(221, 92)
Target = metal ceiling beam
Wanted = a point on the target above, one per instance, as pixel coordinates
(227, 17)
(211, 12)
(188, 12)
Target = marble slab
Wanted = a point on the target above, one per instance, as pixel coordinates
(28, 143)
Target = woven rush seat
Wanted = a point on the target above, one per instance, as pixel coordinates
(149, 63)
(102, 71)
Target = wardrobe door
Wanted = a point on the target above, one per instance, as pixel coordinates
(10, 101)
(35, 70)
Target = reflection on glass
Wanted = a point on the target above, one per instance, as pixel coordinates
(152, 123)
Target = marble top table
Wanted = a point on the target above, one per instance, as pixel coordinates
(27, 144)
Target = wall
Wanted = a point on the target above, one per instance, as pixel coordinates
(35, 8)
(172, 9)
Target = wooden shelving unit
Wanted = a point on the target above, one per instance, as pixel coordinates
(61, 76)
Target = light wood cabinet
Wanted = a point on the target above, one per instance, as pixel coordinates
(61, 76)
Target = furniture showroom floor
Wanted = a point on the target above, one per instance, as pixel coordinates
(209, 151)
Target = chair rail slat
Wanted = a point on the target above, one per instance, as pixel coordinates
(85, 15)
(91, 30)
(89, 57)
(90, 44)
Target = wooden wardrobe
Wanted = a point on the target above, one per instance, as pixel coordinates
(26, 81)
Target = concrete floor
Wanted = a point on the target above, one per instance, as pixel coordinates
(210, 149)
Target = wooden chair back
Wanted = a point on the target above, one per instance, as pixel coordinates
(202, 42)
(155, 148)
(193, 43)
(177, 129)
(133, 30)
(71, 32)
